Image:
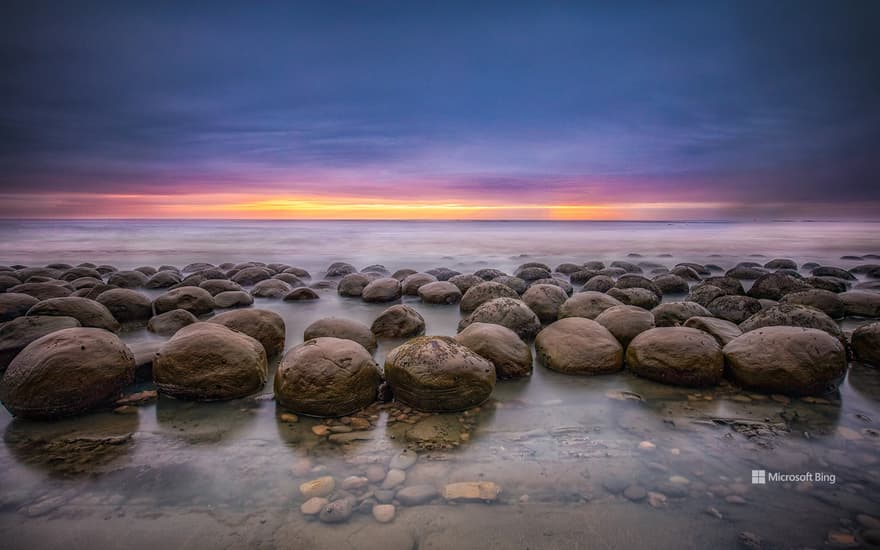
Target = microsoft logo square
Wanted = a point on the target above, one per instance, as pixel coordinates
(759, 477)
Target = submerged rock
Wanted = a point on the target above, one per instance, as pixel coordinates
(587, 304)
(327, 377)
(170, 322)
(347, 329)
(412, 283)
(267, 327)
(126, 305)
(67, 372)
(191, 298)
(626, 322)
(501, 346)
(480, 294)
(439, 292)
(486, 491)
(386, 289)
(676, 355)
(89, 313)
(15, 335)
(545, 300)
(438, 374)
(865, 344)
(233, 298)
(579, 346)
(508, 312)
(353, 284)
(398, 321)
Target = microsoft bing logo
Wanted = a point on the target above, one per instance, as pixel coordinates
(759, 477)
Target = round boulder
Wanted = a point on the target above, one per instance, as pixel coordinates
(576, 345)
(588, 304)
(266, 327)
(128, 279)
(43, 291)
(67, 372)
(673, 314)
(501, 346)
(414, 282)
(191, 298)
(545, 301)
(327, 377)
(734, 308)
(670, 283)
(792, 315)
(251, 276)
(15, 335)
(208, 362)
(437, 374)
(353, 284)
(126, 305)
(440, 292)
(626, 322)
(216, 286)
(680, 356)
(14, 305)
(508, 312)
(788, 360)
(271, 288)
(301, 294)
(479, 294)
(723, 331)
(170, 322)
(861, 303)
(865, 343)
(398, 321)
(386, 289)
(823, 300)
(337, 328)
(636, 296)
(773, 286)
(233, 298)
(89, 313)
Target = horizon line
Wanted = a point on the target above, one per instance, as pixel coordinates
(446, 220)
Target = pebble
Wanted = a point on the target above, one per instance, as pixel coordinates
(320, 487)
(734, 499)
(384, 513)
(125, 409)
(394, 478)
(384, 495)
(487, 491)
(341, 429)
(289, 418)
(635, 493)
(838, 538)
(353, 483)
(313, 506)
(647, 446)
(403, 460)
(679, 480)
(375, 473)
(302, 467)
(337, 511)
(675, 452)
(714, 512)
(615, 485)
(359, 423)
(139, 398)
(741, 398)
(656, 500)
(320, 430)
(416, 494)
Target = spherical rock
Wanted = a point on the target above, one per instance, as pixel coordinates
(216, 286)
(339, 328)
(443, 273)
(564, 285)
(384, 513)
(191, 298)
(301, 294)
(626, 322)
(576, 345)
(532, 272)
(437, 374)
(480, 294)
(670, 283)
(680, 356)
(774, 286)
(787, 360)
(271, 288)
(163, 279)
(14, 305)
(488, 273)
(16, 334)
(128, 279)
(386, 289)
(545, 301)
(398, 321)
(126, 305)
(208, 361)
(340, 269)
(251, 275)
(43, 291)
(7, 282)
(583, 275)
(637, 281)
(823, 300)
(723, 331)
(865, 343)
(413, 282)
(233, 298)
(501, 346)
(704, 294)
(599, 283)
(673, 314)
(514, 283)
(465, 282)
(402, 274)
(89, 313)
(292, 280)
(828, 271)
(733, 308)
(508, 312)
(640, 297)
(67, 372)
(861, 303)
(588, 304)
(353, 284)
(792, 315)
(828, 283)
(170, 322)
(266, 327)
(337, 511)
(781, 263)
(327, 377)
(439, 292)
(746, 272)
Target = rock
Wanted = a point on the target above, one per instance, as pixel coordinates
(637, 281)
(532, 273)
(14, 305)
(127, 306)
(313, 506)
(128, 279)
(208, 361)
(514, 283)
(398, 321)
(416, 495)
(354, 483)
(375, 473)
(588, 304)
(670, 283)
(676, 355)
(393, 479)
(17, 334)
(673, 314)
(89, 313)
(271, 288)
(823, 300)
(487, 274)
(403, 460)
(266, 327)
(384, 513)
(626, 322)
(292, 280)
(301, 294)
(865, 343)
(635, 493)
(163, 279)
(640, 297)
(781, 263)
(787, 360)
(193, 299)
(7, 282)
(501, 346)
(170, 322)
(734, 308)
(828, 283)
(794, 316)
(340, 269)
(439, 292)
(318, 488)
(508, 312)
(443, 273)
(545, 300)
(217, 286)
(656, 500)
(347, 329)
(412, 283)
(250, 276)
(465, 282)
(480, 294)
(439, 375)
(579, 346)
(353, 284)
(746, 272)
(67, 372)
(774, 286)
(861, 303)
(327, 377)
(703, 294)
(486, 491)
(723, 331)
(598, 283)
(828, 271)
(385, 496)
(232, 298)
(337, 511)
(382, 290)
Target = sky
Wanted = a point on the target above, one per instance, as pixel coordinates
(478, 110)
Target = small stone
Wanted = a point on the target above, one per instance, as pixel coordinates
(679, 480)
(320, 487)
(635, 493)
(472, 490)
(714, 512)
(741, 398)
(415, 495)
(384, 496)
(359, 423)
(394, 478)
(750, 541)
(838, 538)
(384, 513)
(340, 429)
(290, 418)
(321, 430)
(337, 511)
(353, 483)
(675, 452)
(647, 446)
(302, 467)
(125, 409)
(523, 499)
(313, 506)
(375, 473)
(734, 499)
(139, 398)
(656, 500)
(403, 460)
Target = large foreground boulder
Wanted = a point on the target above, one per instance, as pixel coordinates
(89, 313)
(676, 355)
(399, 321)
(208, 361)
(267, 327)
(327, 377)
(501, 346)
(126, 305)
(15, 335)
(67, 372)
(340, 328)
(193, 299)
(792, 315)
(576, 345)
(785, 359)
(513, 314)
(437, 374)
(865, 344)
